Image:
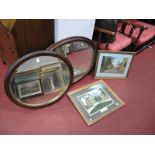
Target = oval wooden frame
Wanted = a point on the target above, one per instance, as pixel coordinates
(24, 59)
(73, 39)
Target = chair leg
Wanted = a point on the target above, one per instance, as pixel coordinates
(98, 41)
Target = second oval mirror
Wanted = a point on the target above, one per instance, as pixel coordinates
(80, 51)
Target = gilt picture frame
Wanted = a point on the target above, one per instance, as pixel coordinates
(95, 101)
(113, 64)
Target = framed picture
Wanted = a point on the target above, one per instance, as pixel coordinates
(95, 101)
(50, 81)
(52, 78)
(19, 79)
(29, 89)
(113, 65)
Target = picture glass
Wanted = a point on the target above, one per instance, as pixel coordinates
(115, 65)
(95, 101)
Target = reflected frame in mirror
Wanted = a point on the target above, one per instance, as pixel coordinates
(69, 40)
(36, 82)
(29, 88)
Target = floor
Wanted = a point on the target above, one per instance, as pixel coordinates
(136, 117)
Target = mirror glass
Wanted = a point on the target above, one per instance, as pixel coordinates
(39, 81)
(81, 55)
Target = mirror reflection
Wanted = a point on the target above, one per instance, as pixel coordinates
(81, 56)
(40, 81)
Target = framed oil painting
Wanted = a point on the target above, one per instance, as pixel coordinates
(113, 64)
(95, 101)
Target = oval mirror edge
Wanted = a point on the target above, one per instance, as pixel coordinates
(23, 59)
(74, 39)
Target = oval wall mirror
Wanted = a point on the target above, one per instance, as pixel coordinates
(38, 79)
(80, 51)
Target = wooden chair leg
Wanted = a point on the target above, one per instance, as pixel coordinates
(98, 41)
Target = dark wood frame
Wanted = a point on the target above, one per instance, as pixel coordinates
(73, 39)
(24, 59)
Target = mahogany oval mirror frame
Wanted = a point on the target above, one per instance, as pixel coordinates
(39, 86)
(84, 56)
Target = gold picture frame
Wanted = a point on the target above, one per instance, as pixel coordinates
(95, 101)
(113, 65)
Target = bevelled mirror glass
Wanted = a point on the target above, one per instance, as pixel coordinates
(38, 79)
(80, 51)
